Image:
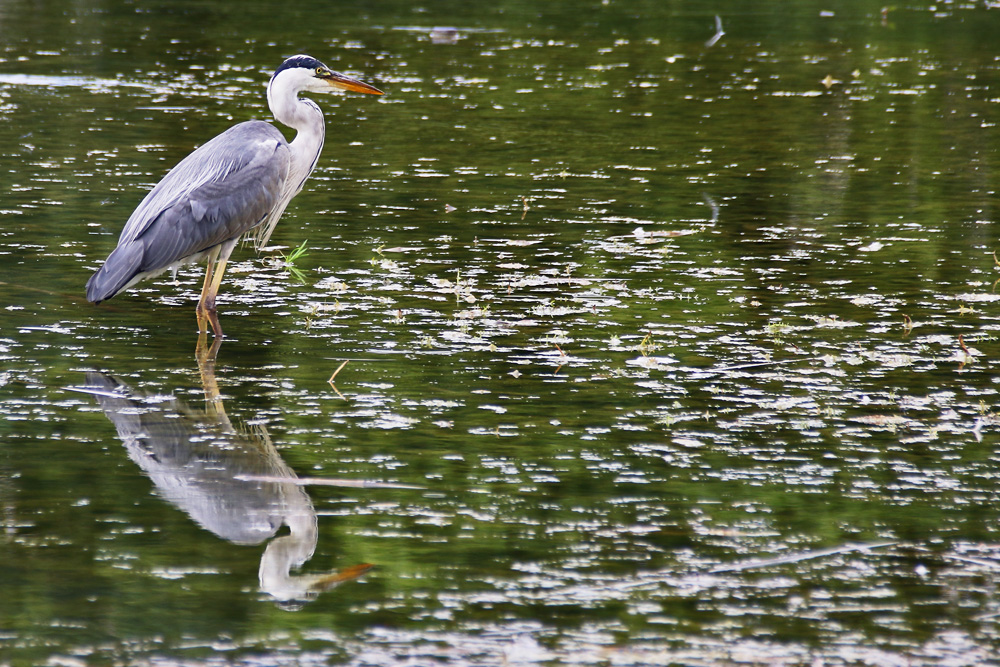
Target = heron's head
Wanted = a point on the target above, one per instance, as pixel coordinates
(305, 73)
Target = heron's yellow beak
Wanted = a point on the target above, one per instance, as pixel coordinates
(344, 82)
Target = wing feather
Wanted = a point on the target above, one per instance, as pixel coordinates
(225, 188)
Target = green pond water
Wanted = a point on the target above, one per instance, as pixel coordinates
(662, 348)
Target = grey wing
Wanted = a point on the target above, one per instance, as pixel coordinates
(219, 192)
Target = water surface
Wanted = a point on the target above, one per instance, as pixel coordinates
(657, 352)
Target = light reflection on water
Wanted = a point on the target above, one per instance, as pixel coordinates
(652, 326)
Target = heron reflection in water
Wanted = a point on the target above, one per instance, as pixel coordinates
(212, 471)
(238, 183)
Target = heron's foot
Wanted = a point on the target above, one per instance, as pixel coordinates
(208, 315)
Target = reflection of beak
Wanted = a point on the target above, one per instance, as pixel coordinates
(325, 582)
(344, 82)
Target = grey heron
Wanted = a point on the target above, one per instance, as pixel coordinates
(237, 184)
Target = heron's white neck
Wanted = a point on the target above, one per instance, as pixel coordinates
(303, 116)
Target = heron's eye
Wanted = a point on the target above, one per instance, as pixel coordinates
(319, 71)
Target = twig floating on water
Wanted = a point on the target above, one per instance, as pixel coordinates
(795, 558)
(755, 364)
(324, 481)
(718, 32)
(713, 205)
(342, 364)
(96, 392)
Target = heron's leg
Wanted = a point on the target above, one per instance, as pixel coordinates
(209, 304)
(200, 309)
(213, 279)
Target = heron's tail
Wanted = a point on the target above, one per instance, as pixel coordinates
(119, 272)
